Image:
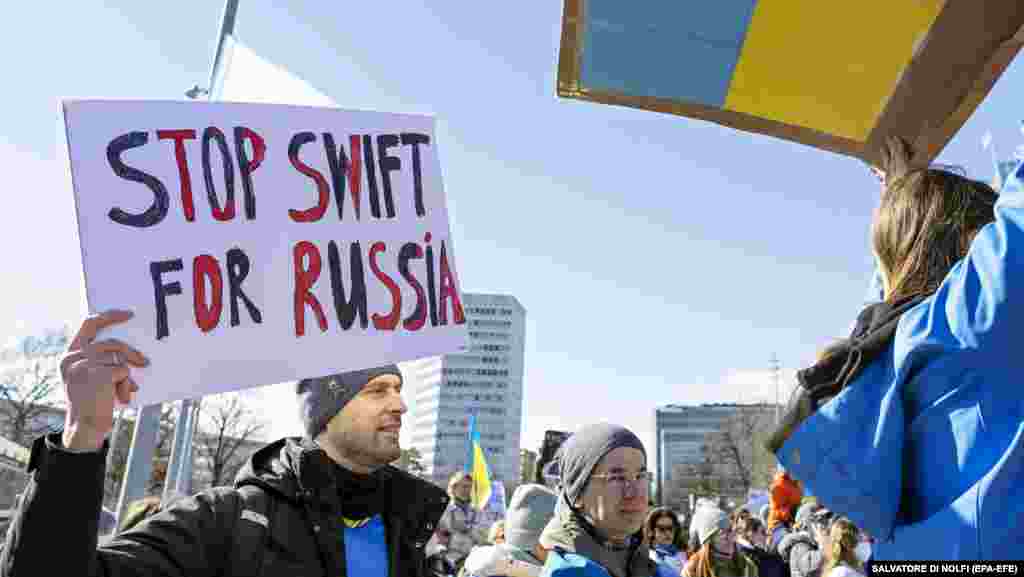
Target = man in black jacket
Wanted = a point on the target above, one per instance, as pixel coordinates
(325, 504)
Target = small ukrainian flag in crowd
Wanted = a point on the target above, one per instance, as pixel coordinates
(477, 467)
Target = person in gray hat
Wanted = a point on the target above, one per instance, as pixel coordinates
(802, 549)
(803, 515)
(529, 511)
(464, 522)
(718, 555)
(328, 501)
(602, 504)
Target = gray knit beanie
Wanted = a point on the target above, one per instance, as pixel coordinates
(582, 451)
(711, 524)
(529, 511)
(321, 398)
(803, 514)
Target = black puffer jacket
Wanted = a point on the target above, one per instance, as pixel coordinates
(55, 530)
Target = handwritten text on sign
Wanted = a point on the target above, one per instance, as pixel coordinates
(309, 214)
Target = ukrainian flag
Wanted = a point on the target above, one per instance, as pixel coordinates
(823, 65)
(476, 465)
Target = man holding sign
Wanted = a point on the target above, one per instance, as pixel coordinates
(319, 245)
(328, 503)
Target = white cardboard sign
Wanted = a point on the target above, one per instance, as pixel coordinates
(261, 243)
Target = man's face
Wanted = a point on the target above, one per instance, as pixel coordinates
(365, 431)
(615, 500)
(462, 489)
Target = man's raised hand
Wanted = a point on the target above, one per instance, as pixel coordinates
(96, 375)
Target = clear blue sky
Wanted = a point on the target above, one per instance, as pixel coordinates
(660, 259)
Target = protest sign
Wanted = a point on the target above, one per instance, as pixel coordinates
(261, 243)
(840, 76)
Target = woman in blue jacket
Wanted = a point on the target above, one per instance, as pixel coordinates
(913, 427)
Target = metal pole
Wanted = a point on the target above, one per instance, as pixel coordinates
(140, 458)
(113, 438)
(775, 377)
(177, 451)
(184, 428)
(183, 485)
(227, 29)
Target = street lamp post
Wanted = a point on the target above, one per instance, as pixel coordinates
(776, 379)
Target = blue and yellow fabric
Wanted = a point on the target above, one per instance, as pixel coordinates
(366, 550)
(828, 68)
(476, 464)
(925, 448)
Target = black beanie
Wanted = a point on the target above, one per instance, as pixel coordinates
(321, 398)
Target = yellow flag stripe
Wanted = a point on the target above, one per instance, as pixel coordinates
(828, 66)
(481, 478)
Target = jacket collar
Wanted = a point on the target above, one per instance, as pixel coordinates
(569, 532)
(299, 471)
(816, 385)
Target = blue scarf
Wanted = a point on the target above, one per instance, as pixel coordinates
(366, 549)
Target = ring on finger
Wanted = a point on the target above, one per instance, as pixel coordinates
(117, 358)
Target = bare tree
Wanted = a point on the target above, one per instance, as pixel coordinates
(162, 452)
(737, 448)
(117, 463)
(29, 386)
(701, 478)
(228, 429)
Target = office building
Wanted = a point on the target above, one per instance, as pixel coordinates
(527, 466)
(681, 432)
(486, 380)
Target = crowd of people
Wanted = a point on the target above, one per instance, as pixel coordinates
(806, 540)
(926, 383)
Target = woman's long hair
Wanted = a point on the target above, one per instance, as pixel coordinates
(843, 539)
(700, 564)
(925, 223)
(651, 522)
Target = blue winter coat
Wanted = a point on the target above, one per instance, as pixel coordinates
(925, 448)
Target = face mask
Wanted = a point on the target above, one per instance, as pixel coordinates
(863, 551)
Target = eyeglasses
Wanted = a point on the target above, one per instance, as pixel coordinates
(620, 480)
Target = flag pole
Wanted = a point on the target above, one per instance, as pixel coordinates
(227, 30)
(179, 466)
(470, 455)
